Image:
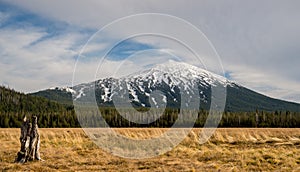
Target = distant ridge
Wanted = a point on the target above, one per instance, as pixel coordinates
(165, 77)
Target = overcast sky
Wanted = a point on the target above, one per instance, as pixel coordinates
(258, 41)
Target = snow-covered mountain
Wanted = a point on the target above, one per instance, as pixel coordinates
(173, 79)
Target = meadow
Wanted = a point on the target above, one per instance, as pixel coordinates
(239, 149)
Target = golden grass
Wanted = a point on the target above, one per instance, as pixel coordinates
(227, 150)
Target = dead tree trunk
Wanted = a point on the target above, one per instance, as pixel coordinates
(24, 140)
(30, 141)
(34, 146)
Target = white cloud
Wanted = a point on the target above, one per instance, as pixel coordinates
(29, 66)
(265, 82)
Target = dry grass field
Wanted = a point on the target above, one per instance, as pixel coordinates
(227, 150)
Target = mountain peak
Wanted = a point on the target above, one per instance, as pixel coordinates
(175, 65)
(177, 72)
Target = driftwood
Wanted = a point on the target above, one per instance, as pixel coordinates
(30, 141)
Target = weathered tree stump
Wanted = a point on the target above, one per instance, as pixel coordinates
(30, 141)
(34, 145)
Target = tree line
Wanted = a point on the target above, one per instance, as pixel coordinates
(260, 119)
(14, 105)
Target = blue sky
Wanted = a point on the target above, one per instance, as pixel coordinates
(126, 48)
(258, 42)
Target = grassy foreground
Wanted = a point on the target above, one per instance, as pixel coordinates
(227, 150)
